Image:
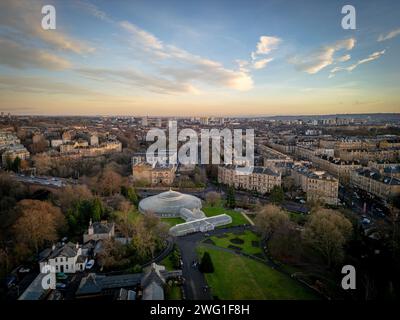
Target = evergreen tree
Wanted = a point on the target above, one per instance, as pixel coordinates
(230, 198)
(277, 195)
(206, 265)
(16, 165)
(97, 210)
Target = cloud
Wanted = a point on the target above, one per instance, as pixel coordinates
(93, 10)
(390, 35)
(344, 58)
(41, 85)
(24, 18)
(347, 44)
(138, 79)
(14, 55)
(266, 44)
(371, 57)
(176, 70)
(144, 38)
(260, 64)
(322, 57)
(182, 69)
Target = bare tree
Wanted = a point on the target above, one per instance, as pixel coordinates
(109, 183)
(327, 232)
(270, 220)
(70, 195)
(213, 198)
(39, 222)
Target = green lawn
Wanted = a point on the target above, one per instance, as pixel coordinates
(167, 263)
(173, 292)
(132, 215)
(237, 217)
(172, 221)
(236, 277)
(247, 246)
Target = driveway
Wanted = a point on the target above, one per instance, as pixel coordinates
(195, 280)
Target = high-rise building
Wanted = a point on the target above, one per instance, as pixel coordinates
(204, 120)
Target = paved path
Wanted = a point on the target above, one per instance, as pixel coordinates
(247, 218)
(195, 280)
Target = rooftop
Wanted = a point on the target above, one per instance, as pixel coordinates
(376, 175)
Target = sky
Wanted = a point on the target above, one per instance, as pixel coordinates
(199, 58)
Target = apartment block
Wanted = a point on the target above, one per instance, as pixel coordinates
(372, 181)
(318, 185)
(261, 179)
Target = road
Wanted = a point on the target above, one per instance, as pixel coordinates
(41, 180)
(363, 205)
(195, 280)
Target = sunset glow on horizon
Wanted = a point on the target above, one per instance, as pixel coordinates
(215, 58)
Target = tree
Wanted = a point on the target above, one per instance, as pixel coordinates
(79, 215)
(327, 232)
(97, 209)
(109, 183)
(230, 198)
(174, 257)
(289, 184)
(149, 234)
(277, 195)
(39, 222)
(130, 194)
(206, 265)
(71, 195)
(213, 198)
(125, 225)
(113, 254)
(271, 220)
(16, 165)
(43, 163)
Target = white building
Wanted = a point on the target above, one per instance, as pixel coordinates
(99, 231)
(55, 143)
(67, 258)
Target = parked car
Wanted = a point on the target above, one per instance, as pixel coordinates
(61, 276)
(60, 285)
(24, 270)
(90, 264)
(366, 221)
(10, 281)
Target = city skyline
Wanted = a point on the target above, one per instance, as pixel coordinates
(213, 59)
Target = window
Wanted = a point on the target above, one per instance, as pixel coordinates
(56, 259)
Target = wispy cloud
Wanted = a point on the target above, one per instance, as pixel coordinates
(371, 57)
(15, 55)
(344, 58)
(321, 58)
(389, 35)
(183, 70)
(41, 85)
(266, 44)
(93, 10)
(24, 18)
(260, 64)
